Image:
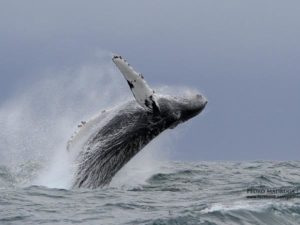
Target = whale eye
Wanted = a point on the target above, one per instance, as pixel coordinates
(177, 115)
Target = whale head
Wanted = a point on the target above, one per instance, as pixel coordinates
(176, 110)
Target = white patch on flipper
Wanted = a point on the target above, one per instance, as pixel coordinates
(143, 94)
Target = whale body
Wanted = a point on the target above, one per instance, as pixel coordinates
(107, 149)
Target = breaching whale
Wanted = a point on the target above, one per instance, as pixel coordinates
(106, 149)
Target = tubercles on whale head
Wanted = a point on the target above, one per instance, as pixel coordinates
(181, 109)
(192, 107)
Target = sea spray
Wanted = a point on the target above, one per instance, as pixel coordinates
(37, 123)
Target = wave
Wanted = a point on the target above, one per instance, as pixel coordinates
(175, 193)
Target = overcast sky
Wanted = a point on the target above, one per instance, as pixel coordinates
(243, 55)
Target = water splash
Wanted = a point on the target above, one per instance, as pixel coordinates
(37, 123)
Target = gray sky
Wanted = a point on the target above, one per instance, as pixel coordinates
(243, 55)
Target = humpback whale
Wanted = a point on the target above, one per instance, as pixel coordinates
(106, 149)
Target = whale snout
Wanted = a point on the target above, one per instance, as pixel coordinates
(199, 102)
(192, 106)
(202, 100)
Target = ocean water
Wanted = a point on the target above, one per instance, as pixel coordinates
(173, 193)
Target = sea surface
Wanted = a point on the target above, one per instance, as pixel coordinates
(177, 193)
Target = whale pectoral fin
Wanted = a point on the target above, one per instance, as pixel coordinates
(143, 94)
(85, 130)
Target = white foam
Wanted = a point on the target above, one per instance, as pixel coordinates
(38, 121)
(256, 206)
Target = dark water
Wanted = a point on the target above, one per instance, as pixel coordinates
(181, 193)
